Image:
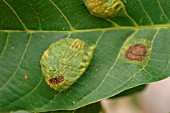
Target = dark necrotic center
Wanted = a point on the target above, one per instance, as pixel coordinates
(57, 80)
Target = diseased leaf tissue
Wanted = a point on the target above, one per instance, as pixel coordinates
(65, 61)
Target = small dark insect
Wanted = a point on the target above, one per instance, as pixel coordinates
(57, 80)
(136, 52)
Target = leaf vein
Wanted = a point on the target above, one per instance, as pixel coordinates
(166, 68)
(114, 23)
(162, 10)
(146, 13)
(15, 14)
(19, 63)
(143, 66)
(28, 92)
(62, 14)
(6, 44)
(155, 68)
(111, 66)
(36, 15)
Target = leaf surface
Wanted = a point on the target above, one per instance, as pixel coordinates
(28, 27)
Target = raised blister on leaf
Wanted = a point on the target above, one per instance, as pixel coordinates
(65, 61)
(104, 8)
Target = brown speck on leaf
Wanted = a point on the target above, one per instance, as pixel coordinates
(25, 76)
(57, 80)
(76, 44)
(136, 52)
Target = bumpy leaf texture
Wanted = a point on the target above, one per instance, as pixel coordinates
(28, 27)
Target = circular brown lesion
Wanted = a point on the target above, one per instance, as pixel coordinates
(56, 80)
(136, 52)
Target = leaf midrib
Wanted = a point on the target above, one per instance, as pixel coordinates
(92, 30)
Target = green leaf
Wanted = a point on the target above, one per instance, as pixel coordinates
(28, 27)
(92, 108)
(20, 111)
(130, 91)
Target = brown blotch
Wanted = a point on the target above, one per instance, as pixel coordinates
(25, 76)
(136, 52)
(57, 80)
